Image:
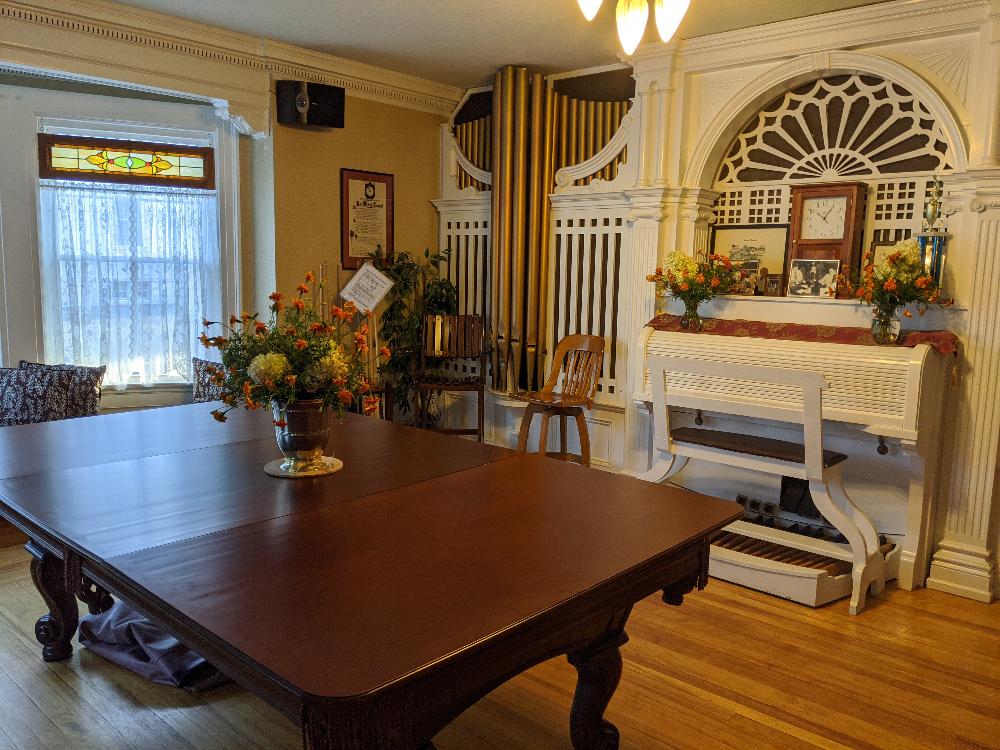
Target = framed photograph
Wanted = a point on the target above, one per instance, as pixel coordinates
(759, 248)
(774, 285)
(813, 278)
(366, 216)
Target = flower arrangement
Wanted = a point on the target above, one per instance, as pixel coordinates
(897, 281)
(302, 353)
(694, 281)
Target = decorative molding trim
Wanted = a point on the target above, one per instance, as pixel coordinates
(568, 175)
(951, 65)
(260, 59)
(981, 205)
(864, 25)
(479, 175)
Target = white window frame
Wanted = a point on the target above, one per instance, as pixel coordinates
(25, 112)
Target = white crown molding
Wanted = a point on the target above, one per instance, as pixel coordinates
(853, 28)
(155, 51)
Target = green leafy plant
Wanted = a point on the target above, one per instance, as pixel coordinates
(418, 290)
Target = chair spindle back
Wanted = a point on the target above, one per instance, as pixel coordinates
(580, 359)
(453, 336)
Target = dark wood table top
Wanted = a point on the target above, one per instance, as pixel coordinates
(385, 586)
(373, 605)
(218, 482)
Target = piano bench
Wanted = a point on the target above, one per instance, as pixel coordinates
(751, 445)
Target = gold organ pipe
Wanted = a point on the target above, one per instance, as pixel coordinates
(534, 179)
(609, 131)
(473, 148)
(548, 181)
(520, 181)
(503, 122)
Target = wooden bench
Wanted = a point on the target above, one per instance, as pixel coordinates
(806, 460)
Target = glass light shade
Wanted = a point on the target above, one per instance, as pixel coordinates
(632, 16)
(669, 14)
(590, 8)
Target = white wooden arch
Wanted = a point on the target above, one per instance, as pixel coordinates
(718, 137)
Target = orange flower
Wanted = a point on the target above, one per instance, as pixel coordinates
(714, 282)
(302, 289)
(205, 341)
(700, 278)
(206, 322)
(370, 404)
(309, 277)
(291, 331)
(274, 296)
(279, 423)
(922, 282)
(384, 351)
(260, 327)
(269, 384)
(298, 304)
(346, 397)
(218, 415)
(301, 344)
(290, 379)
(233, 320)
(316, 327)
(278, 306)
(889, 285)
(683, 286)
(907, 314)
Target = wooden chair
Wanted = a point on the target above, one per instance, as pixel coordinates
(579, 360)
(772, 393)
(460, 339)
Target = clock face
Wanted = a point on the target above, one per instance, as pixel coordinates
(823, 218)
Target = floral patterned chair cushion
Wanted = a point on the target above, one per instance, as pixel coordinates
(33, 395)
(85, 392)
(205, 389)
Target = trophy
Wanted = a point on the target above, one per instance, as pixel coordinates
(933, 242)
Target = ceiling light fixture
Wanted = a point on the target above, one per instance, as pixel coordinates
(590, 8)
(633, 15)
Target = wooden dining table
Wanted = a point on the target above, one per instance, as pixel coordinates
(373, 605)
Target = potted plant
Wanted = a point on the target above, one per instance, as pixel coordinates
(898, 280)
(694, 281)
(305, 363)
(418, 289)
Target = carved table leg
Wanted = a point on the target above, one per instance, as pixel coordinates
(599, 668)
(55, 630)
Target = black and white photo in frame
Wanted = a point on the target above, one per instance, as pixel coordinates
(813, 278)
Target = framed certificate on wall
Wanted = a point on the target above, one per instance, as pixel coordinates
(366, 216)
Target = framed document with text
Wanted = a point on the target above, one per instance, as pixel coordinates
(366, 216)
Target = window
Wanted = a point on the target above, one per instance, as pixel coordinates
(129, 255)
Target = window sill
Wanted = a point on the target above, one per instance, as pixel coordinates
(145, 396)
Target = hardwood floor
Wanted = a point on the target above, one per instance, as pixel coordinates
(731, 668)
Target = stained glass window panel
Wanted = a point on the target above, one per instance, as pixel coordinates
(79, 158)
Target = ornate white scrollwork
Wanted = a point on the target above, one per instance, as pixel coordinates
(568, 175)
(838, 127)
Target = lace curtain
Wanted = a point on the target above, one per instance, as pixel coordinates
(128, 273)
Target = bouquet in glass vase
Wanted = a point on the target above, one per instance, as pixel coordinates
(695, 280)
(306, 363)
(898, 280)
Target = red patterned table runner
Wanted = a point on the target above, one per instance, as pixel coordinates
(944, 342)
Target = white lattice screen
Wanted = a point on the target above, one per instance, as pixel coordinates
(467, 267)
(584, 286)
(838, 128)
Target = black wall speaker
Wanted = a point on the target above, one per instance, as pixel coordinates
(310, 104)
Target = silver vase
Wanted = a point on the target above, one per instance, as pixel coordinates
(302, 430)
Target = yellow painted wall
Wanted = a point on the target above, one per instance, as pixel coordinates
(307, 163)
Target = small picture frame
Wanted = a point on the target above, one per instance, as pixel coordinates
(752, 246)
(813, 277)
(366, 216)
(774, 285)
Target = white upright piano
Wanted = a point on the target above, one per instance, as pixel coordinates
(890, 396)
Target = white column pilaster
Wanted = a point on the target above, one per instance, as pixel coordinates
(964, 561)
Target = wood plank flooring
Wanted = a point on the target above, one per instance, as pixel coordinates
(731, 668)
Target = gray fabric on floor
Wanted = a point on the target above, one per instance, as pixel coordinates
(123, 636)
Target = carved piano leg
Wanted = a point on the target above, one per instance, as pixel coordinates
(663, 468)
(875, 569)
(599, 668)
(832, 512)
(55, 630)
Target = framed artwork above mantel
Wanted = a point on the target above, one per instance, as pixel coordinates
(366, 216)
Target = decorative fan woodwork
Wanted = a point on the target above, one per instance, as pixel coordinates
(839, 127)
